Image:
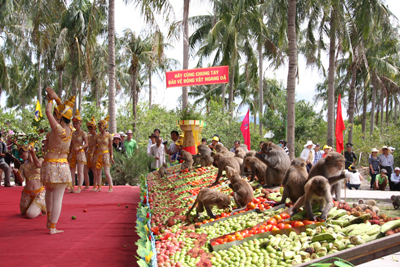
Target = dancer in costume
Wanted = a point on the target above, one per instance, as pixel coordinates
(77, 155)
(33, 196)
(102, 152)
(55, 173)
(91, 125)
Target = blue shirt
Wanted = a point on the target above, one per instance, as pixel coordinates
(318, 156)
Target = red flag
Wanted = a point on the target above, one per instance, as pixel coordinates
(245, 129)
(339, 127)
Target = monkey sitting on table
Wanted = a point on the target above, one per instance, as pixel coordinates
(294, 181)
(243, 193)
(162, 171)
(188, 158)
(203, 156)
(222, 162)
(208, 198)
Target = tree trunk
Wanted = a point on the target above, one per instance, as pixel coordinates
(396, 104)
(39, 58)
(134, 101)
(364, 114)
(260, 67)
(80, 96)
(111, 66)
(185, 48)
(223, 97)
(150, 86)
(73, 74)
(387, 110)
(231, 80)
(60, 74)
(291, 80)
(373, 100)
(255, 121)
(382, 98)
(331, 82)
(97, 88)
(351, 97)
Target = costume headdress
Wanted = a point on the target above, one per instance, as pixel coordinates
(65, 110)
(25, 147)
(104, 122)
(77, 116)
(92, 123)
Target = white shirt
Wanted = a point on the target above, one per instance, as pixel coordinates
(354, 177)
(306, 152)
(394, 178)
(172, 147)
(149, 145)
(159, 152)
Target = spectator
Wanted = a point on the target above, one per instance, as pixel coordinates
(392, 149)
(172, 147)
(3, 165)
(395, 179)
(318, 154)
(123, 135)
(175, 156)
(355, 178)
(374, 163)
(204, 141)
(152, 139)
(308, 154)
(282, 143)
(130, 144)
(349, 156)
(216, 135)
(117, 144)
(156, 132)
(214, 142)
(236, 145)
(381, 180)
(326, 150)
(158, 152)
(386, 161)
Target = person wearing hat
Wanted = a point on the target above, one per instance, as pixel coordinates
(130, 144)
(326, 149)
(318, 154)
(92, 126)
(156, 132)
(386, 160)
(123, 135)
(77, 154)
(374, 165)
(32, 201)
(55, 173)
(118, 145)
(103, 155)
(381, 180)
(215, 141)
(349, 156)
(308, 154)
(175, 157)
(354, 178)
(395, 179)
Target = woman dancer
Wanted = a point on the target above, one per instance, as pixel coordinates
(55, 173)
(102, 151)
(77, 155)
(33, 196)
(91, 125)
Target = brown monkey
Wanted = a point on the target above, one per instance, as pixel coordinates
(317, 190)
(203, 156)
(329, 166)
(223, 150)
(277, 160)
(243, 167)
(240, 153)
(370, 202)
(222, 162)
(395, 201)
(244, 147)
(163, 170)
(294, 181)
(188, 158)
(239, 160)
(257, 167)
(243, 192)
(208, 198)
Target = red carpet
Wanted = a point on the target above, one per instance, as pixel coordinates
(103, 236)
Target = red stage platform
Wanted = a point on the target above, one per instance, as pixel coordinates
(103, 236)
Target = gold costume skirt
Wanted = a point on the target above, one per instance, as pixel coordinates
(78, 157)
(55, 172)
(101, 159)
(29, 198)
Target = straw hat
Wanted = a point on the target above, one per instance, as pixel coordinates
(374, 150)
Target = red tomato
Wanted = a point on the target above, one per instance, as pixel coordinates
(277, 217)
(214, 244)
(268, 228)
(307, 222)
(274, 228)
(219, 241)
(287, 226)
(260, 206)
(251, 206)
(285, 216)
(292, 223)
(298, 224)
(281, 226)
(272, 221)
(231, 238)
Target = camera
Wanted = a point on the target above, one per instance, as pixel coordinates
(165, 142)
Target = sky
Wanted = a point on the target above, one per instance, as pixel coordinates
(128, 16)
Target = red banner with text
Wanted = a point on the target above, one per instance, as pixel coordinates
(192, 77)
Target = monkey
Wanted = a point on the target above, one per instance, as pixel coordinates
(370, 202)
(240, 153)
(163, 170)
(243, 193)
(244, 147)
(396, 201)
(317, 190)
(329, 166)
(257, 167)
(188, 160)
(277, 160)
(294, 181)
(223, 150)
(239, 160)
(203, 156)
(222, 162)
(208, 198)
(243, 167)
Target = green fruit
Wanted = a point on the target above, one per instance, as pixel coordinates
(126, 206)
(73, 217)
(119, 205)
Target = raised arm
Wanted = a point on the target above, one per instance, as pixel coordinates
(35, 160)
(51, 95)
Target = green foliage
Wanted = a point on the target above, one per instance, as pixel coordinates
(191, 112)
